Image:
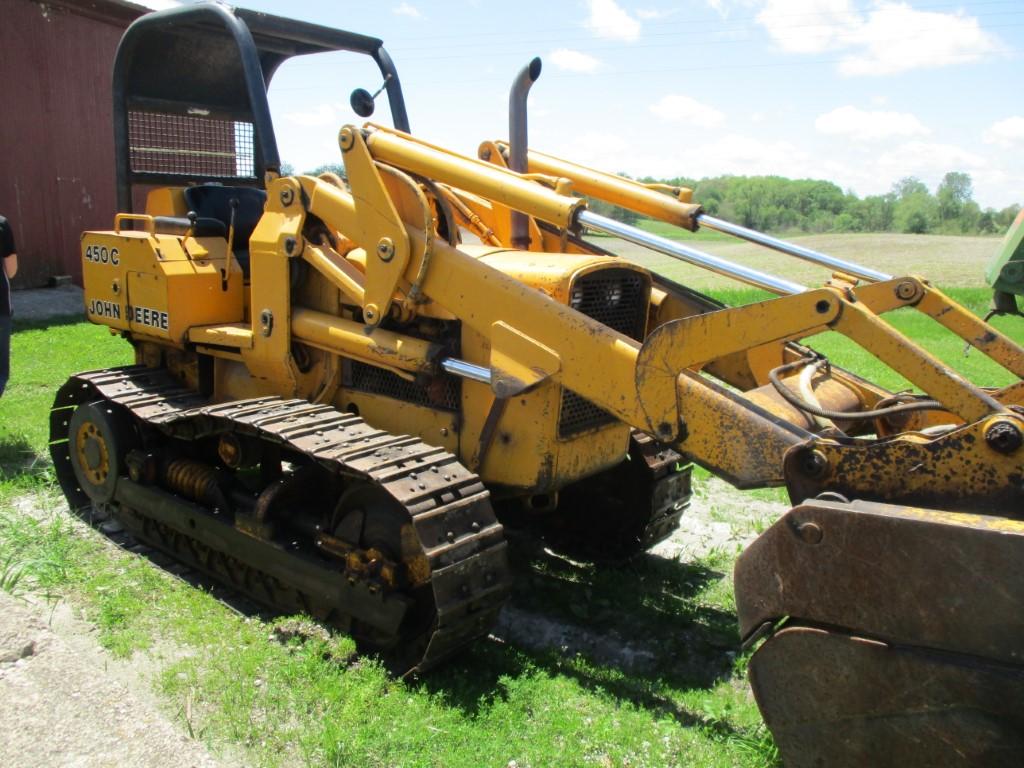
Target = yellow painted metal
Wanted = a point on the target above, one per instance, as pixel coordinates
(513, 313)
(519, 363)
(166, 201)
(957, 470)
(675, 209)
(270, 298)
(150, 285)
(929, 373)
(235, 335)
(373, 345)
(338, 270)
(730, 436)
(917, 292)
(689, 343)
(489, 181)
(435, 426)
(973, 330)
(377, 227)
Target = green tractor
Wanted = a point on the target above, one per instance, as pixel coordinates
(1005, 273)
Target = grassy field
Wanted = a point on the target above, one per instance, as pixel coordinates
(284, 692)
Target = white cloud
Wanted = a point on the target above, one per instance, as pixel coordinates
(892, 37)
(321, 114)
(896, 38)
(862, 125)
(928, 161)
(1006, 133)
(748, 156)
(574, 61)
(607, 19)
(653, 14)
(808, 26)
(676, 108)
(405, 9)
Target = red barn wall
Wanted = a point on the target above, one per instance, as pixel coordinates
(56, 130)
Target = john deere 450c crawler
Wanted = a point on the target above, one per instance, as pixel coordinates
(338, 381)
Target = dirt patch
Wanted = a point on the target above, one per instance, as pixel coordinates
(61, 703)
(720, 519)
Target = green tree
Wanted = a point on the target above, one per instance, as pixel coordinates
(953, 193)
(916, 213)
(908, 186)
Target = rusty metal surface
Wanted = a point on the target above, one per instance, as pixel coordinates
(835, 700)
(918, 577)
(962, 470)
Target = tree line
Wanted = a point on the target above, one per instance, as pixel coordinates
(777, 204)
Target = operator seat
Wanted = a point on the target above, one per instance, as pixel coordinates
(213, 201)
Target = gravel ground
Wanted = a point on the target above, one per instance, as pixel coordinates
(65, 702)
(48, 303)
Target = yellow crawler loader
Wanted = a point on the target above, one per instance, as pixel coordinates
(342, 385)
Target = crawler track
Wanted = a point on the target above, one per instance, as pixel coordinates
(449, 510)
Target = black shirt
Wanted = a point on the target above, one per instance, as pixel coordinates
(6, 249)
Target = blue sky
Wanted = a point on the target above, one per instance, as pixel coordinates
(861, 93)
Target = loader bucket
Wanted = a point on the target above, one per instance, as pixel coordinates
(894, 635)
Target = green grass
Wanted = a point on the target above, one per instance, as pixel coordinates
(43, 355)
(308, 699)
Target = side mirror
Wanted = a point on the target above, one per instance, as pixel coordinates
(362, 102)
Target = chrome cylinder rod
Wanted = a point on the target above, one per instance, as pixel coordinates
(807, 254)
(467, 370)
(690, 255)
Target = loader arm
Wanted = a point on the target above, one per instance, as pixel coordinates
(880, 514)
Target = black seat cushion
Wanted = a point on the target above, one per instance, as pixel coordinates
(214, 201)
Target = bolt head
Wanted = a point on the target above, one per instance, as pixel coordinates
(287, 196)
(905, 290)
(386, 249)
(809, 533)
(1004, 437)
(346, 139)
(814, 463)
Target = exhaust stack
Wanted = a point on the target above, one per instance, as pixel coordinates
(518, 142)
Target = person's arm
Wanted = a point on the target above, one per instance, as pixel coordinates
(7, 248)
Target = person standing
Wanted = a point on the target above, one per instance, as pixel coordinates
(9, 259)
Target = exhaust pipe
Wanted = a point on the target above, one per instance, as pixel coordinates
(518, 143)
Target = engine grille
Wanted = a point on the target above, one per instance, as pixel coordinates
(190, 145)
(618, 298)
(443, 392)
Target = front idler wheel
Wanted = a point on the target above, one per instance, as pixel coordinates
(100, 436)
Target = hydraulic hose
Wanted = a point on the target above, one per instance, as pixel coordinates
(826, 413)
